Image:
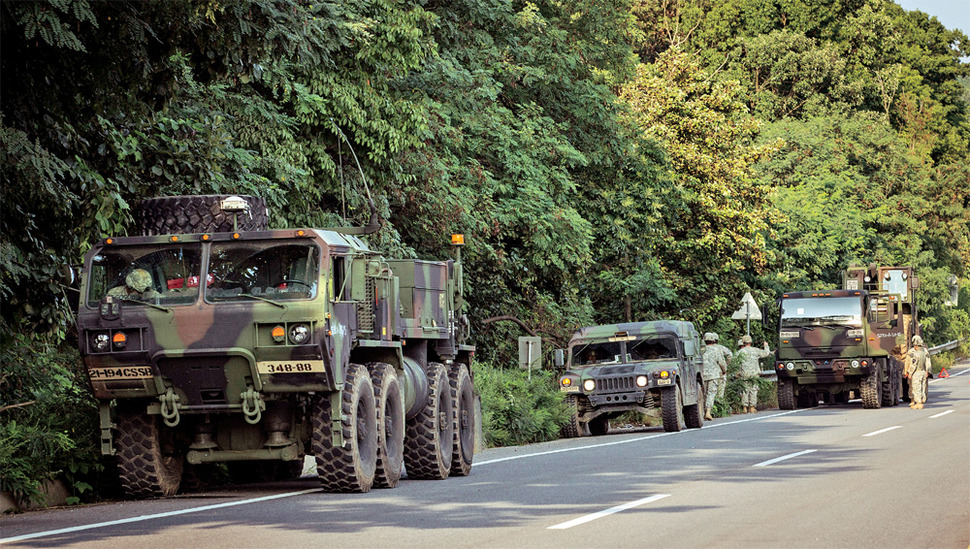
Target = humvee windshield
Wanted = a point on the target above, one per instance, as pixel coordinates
(629, 351)
(163, 276)
(825, 311)
(274, 270)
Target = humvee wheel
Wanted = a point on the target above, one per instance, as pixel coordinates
(694, 414)
(148, 463)
(599, 425)
(349, 467)
(463, 398)
(573, 428)
(430, 434)
(870, 390)
(390, 424)
(786, 394)
(671, 411)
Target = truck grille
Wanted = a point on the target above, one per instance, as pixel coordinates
(615, 384)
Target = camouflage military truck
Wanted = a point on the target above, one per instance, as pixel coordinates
(211, 339)
(853, 339)
(633, 366)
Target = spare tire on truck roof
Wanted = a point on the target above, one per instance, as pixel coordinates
(200, 214)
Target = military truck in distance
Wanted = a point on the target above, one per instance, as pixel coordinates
(212, 339)
(640, 366)
(853, 339)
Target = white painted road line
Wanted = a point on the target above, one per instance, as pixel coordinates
(783, 458)
(880, 431)
(941, 414)
(610, 511)
(152, 517)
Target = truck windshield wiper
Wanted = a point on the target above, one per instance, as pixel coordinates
(150, 304)
(267, 300)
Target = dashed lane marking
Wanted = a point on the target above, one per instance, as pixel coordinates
(600, 514)
(880, 431)
(783, 458)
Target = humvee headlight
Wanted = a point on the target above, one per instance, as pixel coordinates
(279, 334)
(589, 385)
(100, 342)
(299, 334)
(790, 365)
(119, 340)
(855, 363)
(641, 381)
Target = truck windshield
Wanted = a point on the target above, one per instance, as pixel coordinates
(597, 353)
(653, 348)
(267, 270)
(822, 311)
(161, 275)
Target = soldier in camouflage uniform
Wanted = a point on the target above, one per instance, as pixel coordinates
(750, 372)
(138, 285)
(715, 368)
(917, 372)
(728, 356)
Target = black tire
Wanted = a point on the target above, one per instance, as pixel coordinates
(694, 413)
(599, 425)
(887, 390)
(197, 214)
(463, 398)
(149, 465)
(671, 409)
(390, 424)
(573, 428)
(430, 434)
(870, 390)
(786, 394)
(352, 466)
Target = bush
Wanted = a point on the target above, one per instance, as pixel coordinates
(517, 410)
(48, 419)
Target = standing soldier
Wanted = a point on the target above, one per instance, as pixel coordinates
(715, 366)
(728, 356)
(919, 369)
(750, 372)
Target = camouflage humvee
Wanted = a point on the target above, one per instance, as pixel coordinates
(640, 366)
(854, 339)
(255, 347)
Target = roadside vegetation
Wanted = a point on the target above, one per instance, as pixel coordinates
(606, 161)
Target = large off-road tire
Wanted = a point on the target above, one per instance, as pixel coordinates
(573, 428)
(671, 409)
(870, 390)
(389, 403)
(197, 214)
(350, 467)
(786, 394)
(694, 413)
(599, 425)
(463, 398)
(149, 464)
(430, 434)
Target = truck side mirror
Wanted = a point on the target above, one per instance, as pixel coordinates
(559, 358)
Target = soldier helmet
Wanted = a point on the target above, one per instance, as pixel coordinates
(746, 339)
(710, 337)
(918, 341)
(139, 280)
(740, 342)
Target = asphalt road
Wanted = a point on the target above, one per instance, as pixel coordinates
(836, 476)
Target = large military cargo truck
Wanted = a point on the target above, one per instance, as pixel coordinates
(855, 339)
(212, 339)
(643, 366)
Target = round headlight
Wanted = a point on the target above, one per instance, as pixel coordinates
(299, 333)
(589, 385)
(855, 363)
(100, 342)
(790, 365)
(641, 381)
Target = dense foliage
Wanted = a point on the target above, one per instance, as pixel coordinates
(626, 159)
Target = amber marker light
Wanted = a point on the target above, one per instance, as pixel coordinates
(301, 232)
(457, 240)
(236, 236)
(119, 340)
(664, 374)
(279, 334)
(109, 241)
(566, 382)
(205, 238)
(174, 239)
